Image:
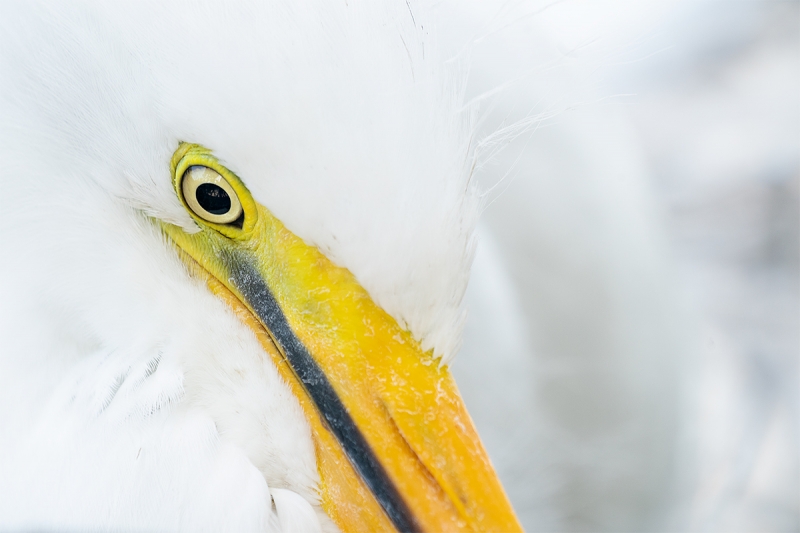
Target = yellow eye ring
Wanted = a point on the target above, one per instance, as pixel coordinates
(210, 195)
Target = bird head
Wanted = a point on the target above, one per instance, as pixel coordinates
(276, 200)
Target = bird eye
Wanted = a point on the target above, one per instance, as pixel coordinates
(210, 196)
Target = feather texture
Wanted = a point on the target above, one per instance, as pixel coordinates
(131, 396)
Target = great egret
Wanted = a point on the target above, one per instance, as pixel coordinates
(235, 242)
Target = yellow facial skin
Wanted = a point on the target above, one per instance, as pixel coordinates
(404, 404)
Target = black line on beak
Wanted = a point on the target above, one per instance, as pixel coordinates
(255, 290)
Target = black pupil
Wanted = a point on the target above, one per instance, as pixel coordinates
(213, 199)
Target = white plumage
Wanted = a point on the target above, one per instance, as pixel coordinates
(131, 396)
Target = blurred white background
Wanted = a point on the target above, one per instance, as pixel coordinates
(631, 354)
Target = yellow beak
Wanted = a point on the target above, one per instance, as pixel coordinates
(396, 449)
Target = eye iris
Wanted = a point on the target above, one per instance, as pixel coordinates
(213, 199)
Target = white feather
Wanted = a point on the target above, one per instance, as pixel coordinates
(339, 117)
(294, 512)
(132, 398)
